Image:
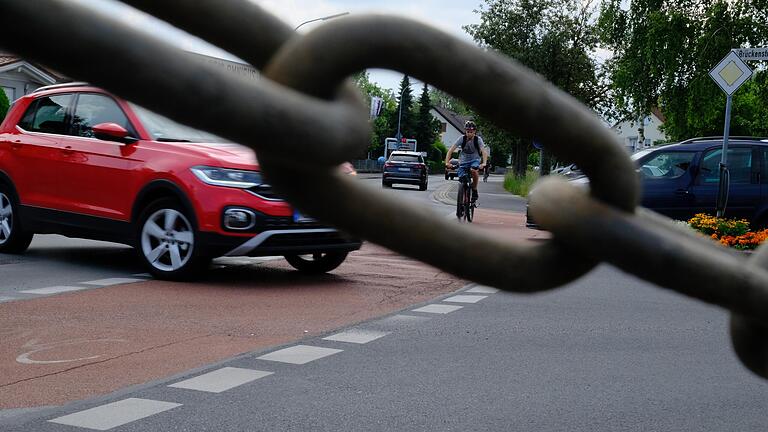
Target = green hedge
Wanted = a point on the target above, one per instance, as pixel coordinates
(4, 104)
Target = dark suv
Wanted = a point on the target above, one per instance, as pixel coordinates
(682, 179)
(78, 161)
(405, 167)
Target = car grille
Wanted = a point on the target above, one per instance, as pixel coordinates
(265, 191)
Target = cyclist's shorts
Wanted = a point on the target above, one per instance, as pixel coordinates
(464, 167)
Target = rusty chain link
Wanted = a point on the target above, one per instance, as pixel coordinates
(303, 119)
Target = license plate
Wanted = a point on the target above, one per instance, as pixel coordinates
(300, 218)
(404, 169)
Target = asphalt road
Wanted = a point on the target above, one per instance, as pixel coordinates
(606, 353)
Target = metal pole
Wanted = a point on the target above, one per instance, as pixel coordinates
(722, 193)
(399, 116)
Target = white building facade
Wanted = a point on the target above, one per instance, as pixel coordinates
(628, 131)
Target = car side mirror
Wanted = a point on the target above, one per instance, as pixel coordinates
(112, 132)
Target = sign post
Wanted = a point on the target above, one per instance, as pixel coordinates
(729, 74)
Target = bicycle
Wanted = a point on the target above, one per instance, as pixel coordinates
(465, 207)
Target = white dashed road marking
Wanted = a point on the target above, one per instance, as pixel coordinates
(53, 290)
(356, 336)
(465, 298)
(299, 354)
(115, 414)
(113, 281)
(482, 290)
(6, 299)
(221, 380)
(438, 309)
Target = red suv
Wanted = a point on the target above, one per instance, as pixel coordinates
(78, 161)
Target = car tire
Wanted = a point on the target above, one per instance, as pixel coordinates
(167, 241)
(317, 263)
(13, 238)
(447, 176)
(386, 184)
(423, 186)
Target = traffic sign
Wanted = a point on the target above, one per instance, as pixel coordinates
(730, 73)
(752, 54)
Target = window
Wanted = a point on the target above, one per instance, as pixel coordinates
(633, 142)
(739, 166)
(47, 115)
(405, 158)
(666, 164)
(93, 109)
(443, 127)
(164, 129)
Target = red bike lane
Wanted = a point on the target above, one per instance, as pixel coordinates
(82, 344)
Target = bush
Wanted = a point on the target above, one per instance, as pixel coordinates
(718, 227)
(436, 167)
(4, 104)
(734, 233)
(520, 185)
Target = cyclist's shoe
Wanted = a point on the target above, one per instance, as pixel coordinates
(474, 195)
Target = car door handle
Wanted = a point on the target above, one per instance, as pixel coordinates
(16, 145)
(682, 192)
(67, 151)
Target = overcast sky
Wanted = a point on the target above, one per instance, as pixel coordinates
(448, 16)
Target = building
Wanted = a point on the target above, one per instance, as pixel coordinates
(451, 124)
(19, 77)
(629, 133)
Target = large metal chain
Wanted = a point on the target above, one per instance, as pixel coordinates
(304, 119)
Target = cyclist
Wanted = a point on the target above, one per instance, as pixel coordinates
(472, 150)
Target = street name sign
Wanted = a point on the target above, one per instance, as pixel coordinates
(752, 54)
(730, 73)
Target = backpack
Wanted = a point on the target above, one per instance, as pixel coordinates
(477, 145)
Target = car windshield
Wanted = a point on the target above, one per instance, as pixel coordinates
(164, 129)
(404, 158)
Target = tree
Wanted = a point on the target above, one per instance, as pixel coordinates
(427, 127)
(406, 119)
(4, 105)
(381, 126)
(554, 38)
(663, 52)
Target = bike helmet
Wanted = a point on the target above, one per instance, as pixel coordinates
(470, 125)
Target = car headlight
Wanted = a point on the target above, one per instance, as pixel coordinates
(227, 177)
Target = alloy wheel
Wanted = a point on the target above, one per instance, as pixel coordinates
(167, 240)
(6, 218)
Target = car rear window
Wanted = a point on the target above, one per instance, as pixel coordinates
(404, 158)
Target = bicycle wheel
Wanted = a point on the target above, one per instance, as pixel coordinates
(460, 202)
(467, 204)
(469, 211)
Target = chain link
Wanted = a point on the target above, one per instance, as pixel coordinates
(303, 119)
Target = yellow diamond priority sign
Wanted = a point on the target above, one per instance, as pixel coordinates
(730, 73)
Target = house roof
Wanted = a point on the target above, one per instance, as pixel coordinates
(7, 60)
(455, 119)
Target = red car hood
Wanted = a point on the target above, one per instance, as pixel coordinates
(230, 154)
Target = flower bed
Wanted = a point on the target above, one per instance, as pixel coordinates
(734, 233)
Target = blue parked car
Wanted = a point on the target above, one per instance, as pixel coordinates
(680, 180)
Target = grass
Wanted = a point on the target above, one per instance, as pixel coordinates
(520, 185)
